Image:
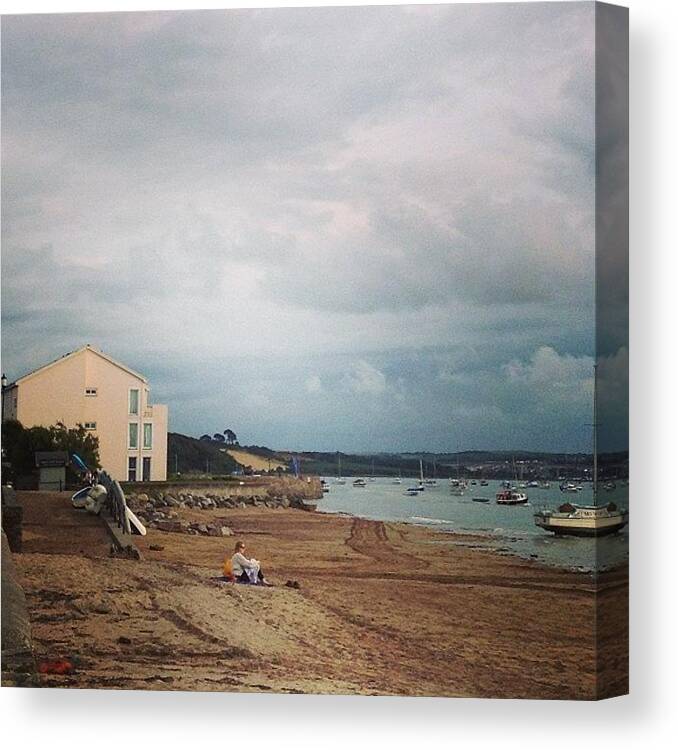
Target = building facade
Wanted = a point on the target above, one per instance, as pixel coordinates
(90, 388)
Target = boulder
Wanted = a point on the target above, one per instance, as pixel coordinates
(170, 525)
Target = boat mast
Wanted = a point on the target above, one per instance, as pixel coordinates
(595, 433)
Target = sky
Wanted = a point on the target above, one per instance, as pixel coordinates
(327, 229)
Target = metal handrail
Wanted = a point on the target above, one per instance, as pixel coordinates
(116, 502)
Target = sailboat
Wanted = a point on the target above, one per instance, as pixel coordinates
(339, 479)
(398, 479)
(585, 520)
(372, 478)
(432, 480)
(456, 485)
(420, 487)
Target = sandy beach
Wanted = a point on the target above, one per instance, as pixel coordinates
(383, 608)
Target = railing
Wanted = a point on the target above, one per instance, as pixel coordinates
(115, 501)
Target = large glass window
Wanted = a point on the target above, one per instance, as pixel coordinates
(133, 435)
(134, 401)
(132, 469)
(148, 435)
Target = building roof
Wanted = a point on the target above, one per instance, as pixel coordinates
(87, 347)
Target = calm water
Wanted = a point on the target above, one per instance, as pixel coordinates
(508, 529)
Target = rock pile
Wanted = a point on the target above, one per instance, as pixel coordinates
(158, 510)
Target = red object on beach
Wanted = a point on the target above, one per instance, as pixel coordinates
(55, 666)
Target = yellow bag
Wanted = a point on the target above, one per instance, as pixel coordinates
(228, 569)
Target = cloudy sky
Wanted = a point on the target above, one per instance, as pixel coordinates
(354, 229)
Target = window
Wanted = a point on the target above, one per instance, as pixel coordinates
(90, 391)
(148, 435)
(145, 469)
(134, 401)
(90, 425)
(131, 469)
(133, 435)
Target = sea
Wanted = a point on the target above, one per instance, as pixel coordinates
(507, 530)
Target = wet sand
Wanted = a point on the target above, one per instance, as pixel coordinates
(383, 608)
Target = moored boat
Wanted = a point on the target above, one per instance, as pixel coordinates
(585, 520)
(582, 520)
(511, 497)
(359, 482)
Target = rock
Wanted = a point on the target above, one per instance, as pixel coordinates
(171, 501)
(156, 547)
(284, 503)
(213, 531)
(142, 497)
(225, 531)
(241, 504)
(123, 639)
(170, 525)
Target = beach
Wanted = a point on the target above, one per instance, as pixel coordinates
(383, 608)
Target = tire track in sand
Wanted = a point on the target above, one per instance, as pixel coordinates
(370, 538)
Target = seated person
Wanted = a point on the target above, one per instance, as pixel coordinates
(246, 570)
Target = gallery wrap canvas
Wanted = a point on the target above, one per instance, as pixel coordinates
(315, 350)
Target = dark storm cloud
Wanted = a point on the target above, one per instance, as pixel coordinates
(291, 207)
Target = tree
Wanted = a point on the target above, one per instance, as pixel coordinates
(20, 444)
(219, 437)
(231, 437)
(206, 438)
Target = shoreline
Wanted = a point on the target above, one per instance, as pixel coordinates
(473, 535)
(384, 609)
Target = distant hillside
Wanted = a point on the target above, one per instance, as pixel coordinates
(188, 455)
(246, 457)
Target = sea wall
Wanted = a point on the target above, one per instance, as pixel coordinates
(158, 507)
(266, 488)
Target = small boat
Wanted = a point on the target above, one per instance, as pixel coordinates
(457, 485)
(544, 485)
(582, 520)
(609, 486)
(397, 480)
(533, 484)
(324, 485)
(483, 482)
(511, 497)
(473, 481)
(568, 487)
(360, 482)
(481, 499)
(411, 492)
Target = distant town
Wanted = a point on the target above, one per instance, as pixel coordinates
(214, 455)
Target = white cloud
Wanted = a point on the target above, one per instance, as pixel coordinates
(365, 378)
(314, 384)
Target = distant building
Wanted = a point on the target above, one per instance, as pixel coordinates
(90, 388)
